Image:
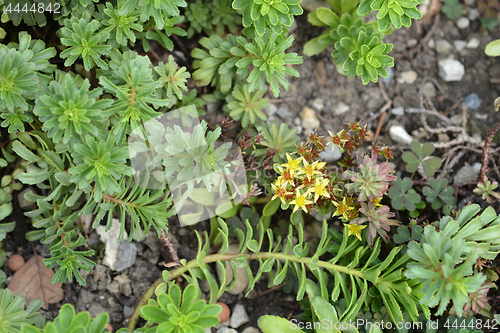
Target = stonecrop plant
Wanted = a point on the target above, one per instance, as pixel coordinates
(101, 104)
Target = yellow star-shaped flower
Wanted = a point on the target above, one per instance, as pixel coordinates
(300, 201)
(311, 169)
(376, 201)
(342, 208)
(293, 165)
(320, 189)
(280, 192)
(355, 230)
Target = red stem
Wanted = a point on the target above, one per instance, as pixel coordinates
(486, 152)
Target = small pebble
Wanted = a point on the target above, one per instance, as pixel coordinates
(127, 311)
(399, 135)
(443, 46)
(411, 43)
(473, 101)
(251, 329)
(15, 262)
(467, 173)
(390, 77)
(182, 232)
(239, 316)
(431, 43)
(318, 104)
(429, 90)
(341, 108)
(460, 45)
(473, 43)
(331, 153)
(443, 137)
(451, 70)
(270, 110)
(225, 313)
(310, 121)
(283, 113)
(463, 23)
(23, 203)
(474, 14)
(297, 121)
(408, 77)
(225, 329)
(399, 111)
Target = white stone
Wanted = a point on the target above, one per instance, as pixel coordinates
(424, 7)
(408, 77)
(310, 121)
(297, 121)
(473, 43)
(251, 329)
(117, 256)
(399, 135)
(23, 203)
(341, 108)
(239, 316)
(467, 173)
(86, 221)
(431, 43)
(463, 23)
(412, 42)
(469, 2)
(331, 153)
(429, 90)
(283, 113)
(474, 14)
(443, 46)
(271, 109)
(241, 274)
(225, 329)
(460, 45)
(317, 103)
(399, 111)
(451, 70)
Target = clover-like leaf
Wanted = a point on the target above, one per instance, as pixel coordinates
(402, 194)
(403, 234)
(452, 9)
(438, 193)
(420, 155)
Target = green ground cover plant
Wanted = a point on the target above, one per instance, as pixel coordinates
(70, 104)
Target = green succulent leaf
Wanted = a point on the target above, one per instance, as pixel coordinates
(268, 13)
(246, 106)
(17, 79)
(70, 110)
(83, 40)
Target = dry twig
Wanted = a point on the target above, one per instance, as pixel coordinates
(487, 151)
(171, 250)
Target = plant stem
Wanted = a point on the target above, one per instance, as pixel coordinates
(226, 257)
(486, 152)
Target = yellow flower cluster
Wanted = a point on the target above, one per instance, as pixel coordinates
(301, 183)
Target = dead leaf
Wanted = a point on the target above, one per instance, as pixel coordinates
(33, 281)
(433, 9)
